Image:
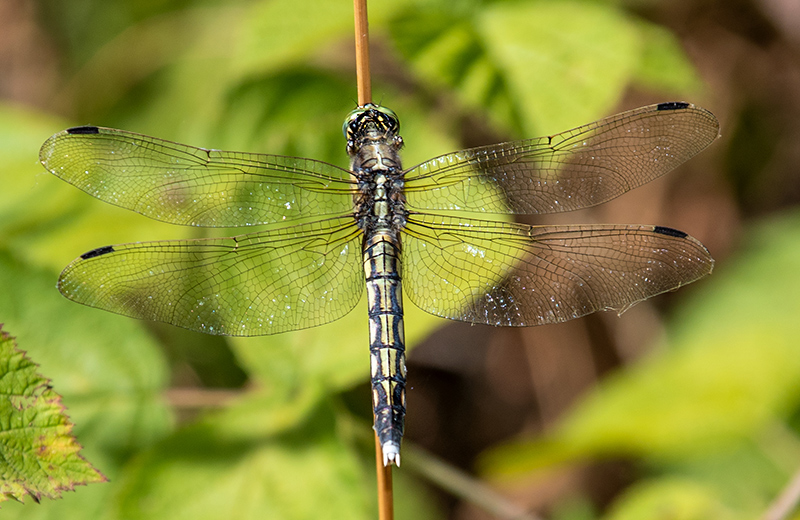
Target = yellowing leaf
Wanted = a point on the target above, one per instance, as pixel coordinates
(38, 454)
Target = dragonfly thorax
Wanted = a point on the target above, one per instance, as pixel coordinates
(374, 145)
(380, 203)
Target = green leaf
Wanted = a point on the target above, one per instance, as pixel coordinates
(290, 34)
(565, 62)
(531, 66)
(261, 458)
(276, 34)
(270, 114)
(537, 67)
(669, 499)
(446, 53)
(212, 471)
(663, 65)
(39, 454)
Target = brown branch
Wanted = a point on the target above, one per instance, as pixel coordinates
(385, 494)
(363, 79)
(384, 472)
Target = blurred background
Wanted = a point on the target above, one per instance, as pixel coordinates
(684, 407)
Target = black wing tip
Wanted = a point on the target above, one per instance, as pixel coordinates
(82, 130)
(97, 252)
(673, 105)
(662, 230)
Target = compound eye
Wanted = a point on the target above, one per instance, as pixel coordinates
(389, 117)
(388, 111)
(351, 118)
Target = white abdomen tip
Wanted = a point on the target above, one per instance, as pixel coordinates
(391, 453)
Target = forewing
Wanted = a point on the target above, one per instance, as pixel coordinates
(194, 186)
(259, 283)
(567, 171)
(508, 274)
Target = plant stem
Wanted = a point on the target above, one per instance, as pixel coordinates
(362, 53)
(385, 495)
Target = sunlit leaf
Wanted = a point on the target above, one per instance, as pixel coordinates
(669, 499)
(531, 66)
(40, 457)
(565, 63)
(445, 52)
(537, 67)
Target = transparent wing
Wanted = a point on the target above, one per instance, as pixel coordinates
(193, 186)
(567, 171)
(508, 274)
(259, 283)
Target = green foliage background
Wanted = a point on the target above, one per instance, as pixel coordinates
(710, 417)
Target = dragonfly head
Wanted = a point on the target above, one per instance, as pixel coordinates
(372, 122)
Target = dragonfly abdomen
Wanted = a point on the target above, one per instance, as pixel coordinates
(387, 340)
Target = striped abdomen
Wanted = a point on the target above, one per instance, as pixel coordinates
(387, 340)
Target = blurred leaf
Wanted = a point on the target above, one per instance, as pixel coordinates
(278, 114)
(209, 471)
(40, 455)
(280, 33)
(565, 62)
(574, 508)
(261, 458)
(147, 46)
(275, 34)
(83, 26)
(663, 65)
(669, 499)
(743, 475)
(538, 67)
(29, 206)
(21, 133)
(731, 370)
(445, 51)
(85, 503)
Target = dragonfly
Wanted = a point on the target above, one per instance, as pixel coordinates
(438, 231)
